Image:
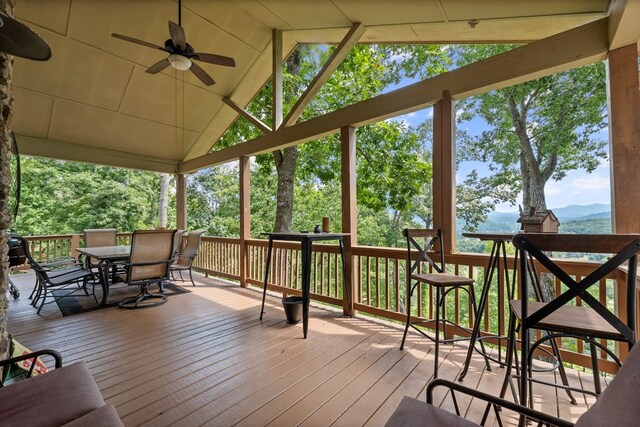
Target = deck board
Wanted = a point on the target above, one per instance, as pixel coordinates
(204, 358)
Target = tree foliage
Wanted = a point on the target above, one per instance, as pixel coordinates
(64, 197)
(537, 131)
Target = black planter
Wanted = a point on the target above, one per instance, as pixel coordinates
(293, 309)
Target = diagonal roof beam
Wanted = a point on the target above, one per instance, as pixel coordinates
(623, 23)
(338, 55)
(247, 115)
(579, 46)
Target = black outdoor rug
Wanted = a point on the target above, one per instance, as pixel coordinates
(81, 303)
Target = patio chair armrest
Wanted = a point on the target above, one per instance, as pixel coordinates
(494, 400)
(34, 355)
(142, 264)
(46, 352)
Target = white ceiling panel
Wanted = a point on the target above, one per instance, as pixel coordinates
(94, 91)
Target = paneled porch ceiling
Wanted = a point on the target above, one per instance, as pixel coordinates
(93, 101)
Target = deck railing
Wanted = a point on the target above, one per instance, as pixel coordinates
(379, 281)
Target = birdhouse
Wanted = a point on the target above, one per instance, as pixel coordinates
(539, 221)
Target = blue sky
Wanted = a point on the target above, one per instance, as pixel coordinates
(577, 188)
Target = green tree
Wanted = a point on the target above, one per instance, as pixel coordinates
(538, 130)
(390, 171)
(65, 197)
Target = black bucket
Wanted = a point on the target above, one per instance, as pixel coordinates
(293, 309)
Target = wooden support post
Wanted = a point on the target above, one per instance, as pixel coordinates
(181, 202)
(277, 78)
(624, 137)
(245, 218)
(444, 188)
(349, 213)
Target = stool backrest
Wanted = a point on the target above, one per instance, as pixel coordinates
(99, 237)
(428, 243)
(624, 247)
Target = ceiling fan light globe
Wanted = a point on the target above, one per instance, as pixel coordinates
(179, 62)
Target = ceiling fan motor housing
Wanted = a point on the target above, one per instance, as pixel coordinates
(172, 48)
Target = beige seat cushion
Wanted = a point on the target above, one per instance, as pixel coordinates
(619, 403)
(52, 399)
(105, 416)
(414, 413)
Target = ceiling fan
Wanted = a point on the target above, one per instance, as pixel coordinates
(181, 53)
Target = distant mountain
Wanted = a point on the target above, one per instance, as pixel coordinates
(564, 214)
(596, 216)
(575, 212)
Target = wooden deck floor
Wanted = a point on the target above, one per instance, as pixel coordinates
(205, 358)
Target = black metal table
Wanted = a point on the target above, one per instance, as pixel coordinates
(497, 260)
(107, 256)
(306, 242)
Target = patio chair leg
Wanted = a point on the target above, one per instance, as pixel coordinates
(33, 291)
(34, 302)
(44, 298)
(191, 277)
(134, 302)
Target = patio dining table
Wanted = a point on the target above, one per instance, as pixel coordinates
(106, 256)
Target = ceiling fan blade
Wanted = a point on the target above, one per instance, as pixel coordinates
(158, 66)
(137, 41)
(201, 74)
(212, 58)
(177, 35)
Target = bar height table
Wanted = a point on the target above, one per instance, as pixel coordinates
(497, 260)
(306, 242)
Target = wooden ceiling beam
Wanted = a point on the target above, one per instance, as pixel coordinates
(31, 146)
(334, 61)
(247, 115)
(579, 46)
(624, 28)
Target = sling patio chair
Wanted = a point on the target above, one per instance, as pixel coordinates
(149, 263)
(186, 256)
(72, 280)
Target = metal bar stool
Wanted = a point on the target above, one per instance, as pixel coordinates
(558, 318)
(443, 283)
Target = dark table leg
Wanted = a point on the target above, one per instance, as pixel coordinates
(307, 248)
(493, 265)
(266, 275)
(103, 268)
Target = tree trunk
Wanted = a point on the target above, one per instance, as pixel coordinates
(286, 160)
(6, 106)
(533, 181)
(164, 199)
(286, 166)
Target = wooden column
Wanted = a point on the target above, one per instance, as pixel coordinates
(624, 137)
(349, 212)
(444, 189)
(624, 146)
(181, 202)
(245, 218)
(277, 78)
